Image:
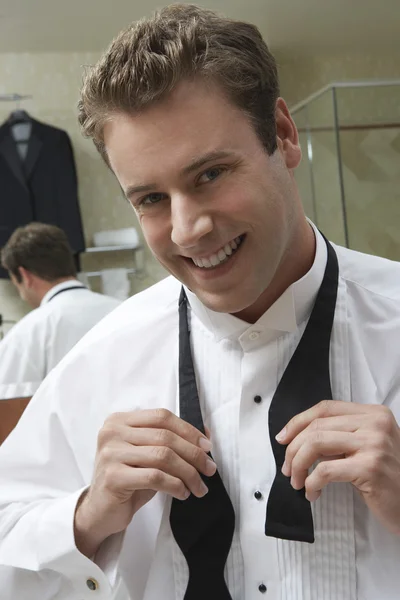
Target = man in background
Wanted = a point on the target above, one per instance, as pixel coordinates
(41, 266)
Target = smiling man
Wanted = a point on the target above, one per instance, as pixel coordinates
(210, 199)
(248, 447)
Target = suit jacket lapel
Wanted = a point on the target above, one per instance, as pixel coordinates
(34, 148)
(8, 150)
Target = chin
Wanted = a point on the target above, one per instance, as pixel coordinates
(225, 303)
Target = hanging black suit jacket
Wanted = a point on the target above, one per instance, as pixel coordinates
(43, 187)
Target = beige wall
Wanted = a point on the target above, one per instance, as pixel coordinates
(54, 80)
(304, 75)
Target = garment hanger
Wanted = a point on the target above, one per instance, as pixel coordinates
(19, 116)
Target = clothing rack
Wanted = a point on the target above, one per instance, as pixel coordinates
(14, 97)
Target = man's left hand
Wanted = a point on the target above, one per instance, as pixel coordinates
(355, 443)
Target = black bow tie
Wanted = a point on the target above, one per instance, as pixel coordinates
(204, 528)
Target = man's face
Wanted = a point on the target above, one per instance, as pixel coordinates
(216, 210)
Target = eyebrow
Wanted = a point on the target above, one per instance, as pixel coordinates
(199, 162)
(138, 189)
(194, 165)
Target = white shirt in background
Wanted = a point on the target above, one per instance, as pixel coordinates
(43, 337)
(130, 361)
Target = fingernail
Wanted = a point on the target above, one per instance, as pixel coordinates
(281, 435)
(211, 467)
(312, 496)
(203, 489)
(205, 444)
(186, 494)
(285, 470)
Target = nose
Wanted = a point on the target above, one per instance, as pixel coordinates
(190, 221)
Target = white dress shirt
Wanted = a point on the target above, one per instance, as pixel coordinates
(47, 462)
(43, 337)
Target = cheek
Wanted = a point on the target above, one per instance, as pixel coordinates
(235, 203)
(157, 233)
(238, 205)
(249, 199)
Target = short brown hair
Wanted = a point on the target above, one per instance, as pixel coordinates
(41, 249)
(180, 42)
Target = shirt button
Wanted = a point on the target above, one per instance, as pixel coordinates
(258, 495)
(257, 399)
(254, 335)
(262, 588)
(92, 584)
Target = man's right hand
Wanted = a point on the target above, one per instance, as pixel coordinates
(138, 454)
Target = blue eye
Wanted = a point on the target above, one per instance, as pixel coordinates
(152, 198)
(210, 175)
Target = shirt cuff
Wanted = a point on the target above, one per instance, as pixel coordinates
(8, 391)
(62, 555)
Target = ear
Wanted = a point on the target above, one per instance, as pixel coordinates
(26, 276)
(287, 135)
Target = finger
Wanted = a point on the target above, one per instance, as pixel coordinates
(161, 418)
(160, 458)
(190, 453)
(137, 479)
(320, 445)
(326, 408)
(345, 470)
(347, 423)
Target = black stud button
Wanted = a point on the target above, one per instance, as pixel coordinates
(262, 588)
(258, 495)
(257, 399)
(92, 584)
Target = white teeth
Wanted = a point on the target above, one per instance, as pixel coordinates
(221, 256)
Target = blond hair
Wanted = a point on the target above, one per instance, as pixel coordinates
(181, 42)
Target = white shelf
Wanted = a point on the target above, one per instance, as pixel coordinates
(112, 248)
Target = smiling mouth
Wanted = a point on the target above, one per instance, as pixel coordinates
(222, 256)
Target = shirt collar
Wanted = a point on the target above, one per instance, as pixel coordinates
(65, 285)
(285, 315)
